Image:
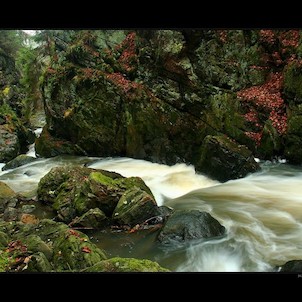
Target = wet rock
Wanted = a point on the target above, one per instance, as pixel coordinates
(224, 159)
(126, 265)
(20, 160)
(293, 266)
(93, 218)
(134, 207)
(74, 191)
(185, 225)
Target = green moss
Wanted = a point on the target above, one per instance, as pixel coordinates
(73, 251)
(5, 191)
(4, 261)
(293, 80)
(118, 264)
(101, 178)
(6, 91)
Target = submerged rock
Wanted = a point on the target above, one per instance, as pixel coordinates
(118, 264)
(223, 159)
(185, 225)
(20, 160)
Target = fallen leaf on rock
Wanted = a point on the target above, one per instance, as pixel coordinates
(86, 249)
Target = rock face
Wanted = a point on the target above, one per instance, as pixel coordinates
(15, 134)
(224, 159)
(186, 225)
(95, 198)
(157, 95)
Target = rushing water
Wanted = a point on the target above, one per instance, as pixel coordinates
(262, 213)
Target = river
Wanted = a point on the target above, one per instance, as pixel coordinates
(262, 213)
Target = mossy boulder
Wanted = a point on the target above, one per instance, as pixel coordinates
(20, 160)
(134, 207)
(223, 159)
(121, 265)
(74, 251)
(89, 197)
(48, 246)
(293, 266)
(186, 225)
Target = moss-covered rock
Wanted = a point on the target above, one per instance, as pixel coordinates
(73, 251)
(48, 246)
(185, 225)
(224, 159)
(118, 264)
(88, 197)
(20, 160)
(134, 207)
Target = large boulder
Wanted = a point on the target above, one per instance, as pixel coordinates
(223, 159)
(186, 225)
(95, 198)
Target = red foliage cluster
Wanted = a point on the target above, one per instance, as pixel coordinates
(16, 246)
(119, 80)
(256, 136)
(290, 38)
(252, 116)
(267, 95)
(266, 98)
(267, 36)
(128, 55)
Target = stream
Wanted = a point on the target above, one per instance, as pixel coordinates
(262, 213)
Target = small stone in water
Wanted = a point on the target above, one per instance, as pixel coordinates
(125, 202)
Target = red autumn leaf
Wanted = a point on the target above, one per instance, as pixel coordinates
(86, 249)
